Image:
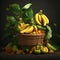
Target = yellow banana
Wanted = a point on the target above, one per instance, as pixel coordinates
(44, 20)
(35, 28)
(29, 29)
(37, 18)
(22, 26)
(25, 25)
(47, 20)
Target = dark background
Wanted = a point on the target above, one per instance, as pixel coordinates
(50, 7)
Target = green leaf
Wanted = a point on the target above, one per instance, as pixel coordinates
(30, 13)
(14, 8)
(6, 26)
(27, 15)
(6, 34)
(55, 24)
(27, 6)
(11, 20)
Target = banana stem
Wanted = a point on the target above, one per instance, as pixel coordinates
(41, 11)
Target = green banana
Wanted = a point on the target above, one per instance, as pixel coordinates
(48, 33)
(41, 27)
(49, 28)
(51, 47)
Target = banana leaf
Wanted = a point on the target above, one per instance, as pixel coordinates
(27, 15)
(27, 6)
(14, 8)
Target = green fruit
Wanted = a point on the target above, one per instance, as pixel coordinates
(15, 48)
(27, 50)
(8, 45)
(38, 47)
(48, 33)
(50, 46)
(41, 27)
(37, 51)
(45, 50)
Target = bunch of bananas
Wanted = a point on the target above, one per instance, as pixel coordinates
(27, 28)
(41, 18)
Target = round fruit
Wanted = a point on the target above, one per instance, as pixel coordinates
(37, 51)
(45, 50)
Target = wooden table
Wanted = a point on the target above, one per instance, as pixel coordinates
(54, 56)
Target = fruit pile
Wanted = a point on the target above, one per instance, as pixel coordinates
(38, 49)
(27, 23)
(41, 21)
(34, 24)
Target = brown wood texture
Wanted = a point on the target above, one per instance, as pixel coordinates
(30, 39)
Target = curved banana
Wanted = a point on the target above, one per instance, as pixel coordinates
(37, 18)
(47, 20)
(51, 46)
(35, 28)
(22, 26)
(44, 20)
(29, 29)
